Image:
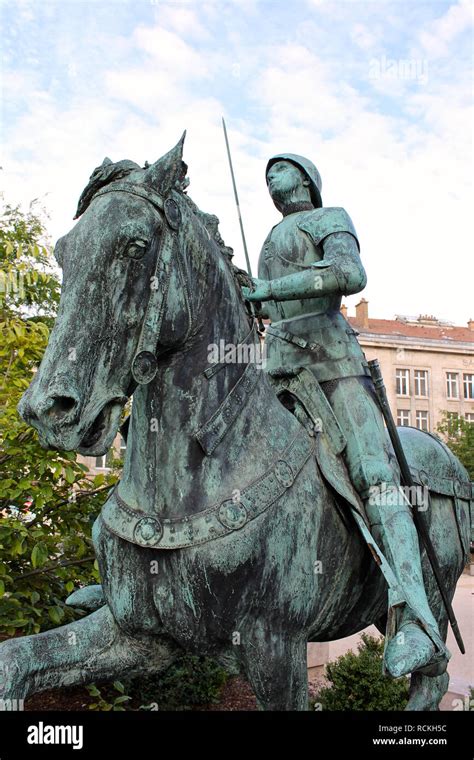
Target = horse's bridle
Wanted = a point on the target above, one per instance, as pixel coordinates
(145, 363)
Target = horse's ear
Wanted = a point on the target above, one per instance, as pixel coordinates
(170, 168)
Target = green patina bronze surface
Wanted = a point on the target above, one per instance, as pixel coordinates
(241, 525)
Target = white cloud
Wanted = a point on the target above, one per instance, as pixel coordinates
(170, 52)
(438, 35)
(363, 37)
(405, 184)
(402, 172)
(183, 19)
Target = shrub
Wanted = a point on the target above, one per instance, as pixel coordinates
(357, 682)
(188, 682)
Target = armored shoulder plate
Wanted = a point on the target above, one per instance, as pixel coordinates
(324, 221)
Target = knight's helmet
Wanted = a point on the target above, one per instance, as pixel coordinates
(309, 170)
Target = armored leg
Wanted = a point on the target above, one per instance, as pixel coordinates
(407, 647)
(413, 640)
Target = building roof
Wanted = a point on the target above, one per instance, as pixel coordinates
(409, 330)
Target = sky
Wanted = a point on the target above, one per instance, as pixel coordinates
(377, 94)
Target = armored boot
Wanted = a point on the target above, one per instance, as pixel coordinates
(413, 641)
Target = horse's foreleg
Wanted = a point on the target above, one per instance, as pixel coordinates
(93, 648)
(276, 669)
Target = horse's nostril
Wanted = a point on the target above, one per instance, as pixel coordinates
(61, 405)
(26, 411)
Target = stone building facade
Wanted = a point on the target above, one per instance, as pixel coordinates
(427, 365)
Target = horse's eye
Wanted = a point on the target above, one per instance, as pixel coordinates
(136, 249)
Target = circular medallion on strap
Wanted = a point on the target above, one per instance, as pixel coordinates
(232, 514)
(284, 473)
(148, 531)
(172, 213)
(144, 367)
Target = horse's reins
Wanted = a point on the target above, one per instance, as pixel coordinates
(145, 363)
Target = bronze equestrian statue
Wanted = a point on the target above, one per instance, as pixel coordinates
(235, 483)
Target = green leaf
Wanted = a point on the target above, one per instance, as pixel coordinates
(39, 555)
(56, 614)
(16, 548)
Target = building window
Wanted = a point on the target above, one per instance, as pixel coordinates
(452, 385)
(422, 420)
(421, 382)
(403, 417)
(104, 462)
(123, 447)
(403, 382)
(468, 383)
(469, 416)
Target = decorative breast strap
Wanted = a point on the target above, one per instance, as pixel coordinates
(216, 367)
(214, 430)
(218, 520)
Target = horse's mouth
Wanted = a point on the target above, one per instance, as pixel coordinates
(101, 432)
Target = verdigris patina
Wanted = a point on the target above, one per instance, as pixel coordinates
(235, 530)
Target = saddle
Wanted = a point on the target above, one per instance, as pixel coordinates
(299, 390)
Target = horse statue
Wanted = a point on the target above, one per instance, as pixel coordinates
(208, 544)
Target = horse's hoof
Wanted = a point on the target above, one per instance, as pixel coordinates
(89, 598)
(12, 684)
(410, 653)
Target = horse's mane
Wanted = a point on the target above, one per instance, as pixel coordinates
(211, 224)
(110, 172)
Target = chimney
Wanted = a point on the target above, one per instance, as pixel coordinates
(362, 313)
(470, 325)
(344, 310)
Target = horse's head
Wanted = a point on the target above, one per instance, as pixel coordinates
(119, 273)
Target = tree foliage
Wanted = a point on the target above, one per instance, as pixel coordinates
(45, 550)
(458, 433)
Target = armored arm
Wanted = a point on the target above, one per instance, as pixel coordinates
(340, 271)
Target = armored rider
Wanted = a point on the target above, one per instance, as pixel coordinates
(309, 260)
